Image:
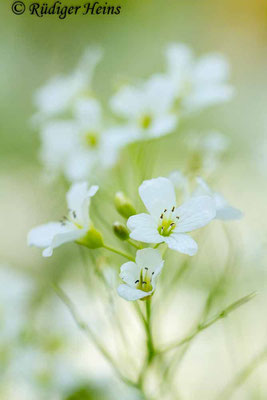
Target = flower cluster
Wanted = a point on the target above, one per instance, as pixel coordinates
(166, 222)
(77, 137)
(81, 137)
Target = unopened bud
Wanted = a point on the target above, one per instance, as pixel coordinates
(123, 205)
(120, 231)
(93, 239)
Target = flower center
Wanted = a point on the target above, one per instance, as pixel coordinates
(144, 282)
(91, 139)
(167, 222)
(71, 219)
(146, 121)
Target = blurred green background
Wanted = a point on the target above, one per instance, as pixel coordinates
(32, 50)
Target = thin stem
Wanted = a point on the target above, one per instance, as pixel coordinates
(156, 245)
(132, 243)
(117, 251)
(206, 325)
(243, 375)
(150, 344)
(90, 334)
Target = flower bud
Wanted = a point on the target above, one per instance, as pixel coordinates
(93, 239)
(120, 231)
(123, 205)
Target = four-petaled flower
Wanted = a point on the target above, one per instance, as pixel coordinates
(197, 83)
(166, 222)
(147, 108)
(59, 94)
(73, 227)
(223, 210)
(140, 276)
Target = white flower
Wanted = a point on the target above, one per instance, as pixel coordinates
(79, 146)
(223, 210)
(58, 94)
(166, 222)
(72, 227)
(140, 276)
(198, 83)
(147, 108)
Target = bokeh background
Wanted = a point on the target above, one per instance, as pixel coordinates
(34, 49)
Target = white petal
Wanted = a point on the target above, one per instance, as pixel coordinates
(89, 114)
(212, 68)
(208, 95)
(64, 237)
(179, 58)
(127, 102)
(144, 228)
(42, 235)
(131, 294)
(129, 273)
(78, 199)
(182, 243)
(195, 213)
(163, 125)
(228, 213)
(157, 195)
(151, 259)
(202, 188)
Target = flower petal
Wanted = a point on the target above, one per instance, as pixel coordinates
(131, 294)
(64, 237)
(78, 199)
(151, 259)
(195, 213)
(129, 273)
(42, 235)
(228, 213)
(157, 194)
(182, 243)
(144, 228)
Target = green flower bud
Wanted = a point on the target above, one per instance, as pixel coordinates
(120, 231)
(93, 239)
(123, 205)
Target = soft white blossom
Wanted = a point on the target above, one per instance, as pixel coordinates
(79, 146)
(72, 227)
(166, 222)
(223, 210)
(140, 276)
(198, 83)
(146, 108)
(58, 95)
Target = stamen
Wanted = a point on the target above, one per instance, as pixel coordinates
(165, 210)
(178, 217)
(161, 216)
(172, 224)
(144, 283)
(137, 281)
(146, 268)
(74, 214)
(173, 208)
(153, 273)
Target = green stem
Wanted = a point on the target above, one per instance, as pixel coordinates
(117, 251)
(150, 344)
(132, 243)
(205, 325)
